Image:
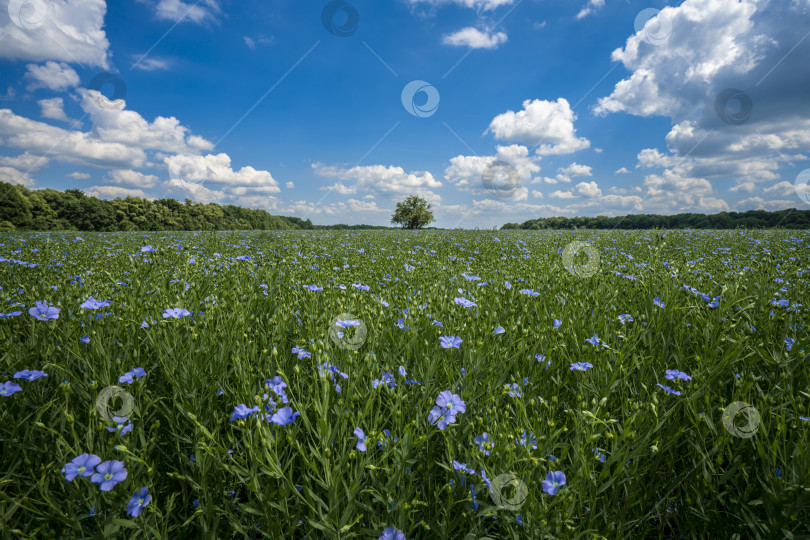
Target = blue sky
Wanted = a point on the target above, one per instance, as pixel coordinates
(573, 107)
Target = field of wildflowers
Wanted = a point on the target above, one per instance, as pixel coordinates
(405, 385)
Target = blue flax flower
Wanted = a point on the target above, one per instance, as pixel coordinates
(484, 443)
(108, 474)
(80, 466)
(391, 533)
(43, 312)
(673, 374)
(92, 303)
(361, 439)
(669, 390)
(8, 388)
(581, 366)
(554, 480)
(175, 313)
(30, 374)
(448, 342)
(139, 499)
(284, 416)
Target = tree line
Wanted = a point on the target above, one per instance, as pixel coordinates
(71, 210)
(752, 219)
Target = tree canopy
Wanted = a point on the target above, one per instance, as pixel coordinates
(51, 210)
(413, 213)
(754, 219)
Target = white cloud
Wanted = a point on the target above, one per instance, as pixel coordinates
(549, 124)
(389, 182)
(112, 192)
(26, 162)
(71, 31)
(623, 170)
(466, 172)
(261, 40)
(289, 185)
(588, 189)
(537, 194)
(782, 189)
(558, 194)
(78, 176)
(704, 48)
(11, 175)
(675, 76)
(474, 4)
(56, 76)
(475, 39)
(758, 203)
(113, 123)
(119, 139)
(149, 63)
(65, 146)
(652, 157)
(185, 169)
(748, 187)
(127, 177)
(576, 170)
(53, 108)
(589, 8)
(199, 11)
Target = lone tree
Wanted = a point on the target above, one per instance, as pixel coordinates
(413, 213)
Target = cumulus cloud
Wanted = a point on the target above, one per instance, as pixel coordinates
(187, 169)
(10, 175)
(758, 203)
(56, 76)
(127, 177)
(70, 31)
(576, 170)
(389, 182)
(53, 108)
(546, 124)
(78, 176)
(705, 48)
(74, 147)
(113, 123)
(475, 39)
(466, 172)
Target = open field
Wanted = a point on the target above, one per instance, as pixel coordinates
(229, 373)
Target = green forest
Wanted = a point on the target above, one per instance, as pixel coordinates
(71, 210)
(752, 219)
(51, 210)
